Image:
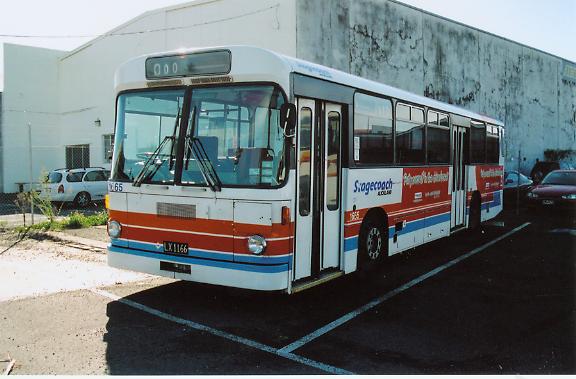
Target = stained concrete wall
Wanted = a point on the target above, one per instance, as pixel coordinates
(534, 93)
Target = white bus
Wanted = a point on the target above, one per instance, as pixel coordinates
(242, 167)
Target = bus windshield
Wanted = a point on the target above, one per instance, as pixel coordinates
(237, 126)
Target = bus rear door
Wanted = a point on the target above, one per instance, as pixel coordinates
(459, 180)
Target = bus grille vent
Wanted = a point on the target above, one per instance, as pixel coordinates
(176, 210)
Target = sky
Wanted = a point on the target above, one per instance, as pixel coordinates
(548, 25)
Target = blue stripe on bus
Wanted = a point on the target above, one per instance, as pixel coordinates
(415, 225)
(267, 269)
(412, 226)
(351, 244)
(222, 256)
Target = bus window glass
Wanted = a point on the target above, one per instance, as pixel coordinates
(372, 129)
(409, 136)
(333, 157)
(239, 127)
(444, 120)
(492, 145)
(438, 139)
(146, 122)
(477, 142)
(304, 169)
(432, 118)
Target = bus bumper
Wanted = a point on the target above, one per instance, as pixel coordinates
(232, 274)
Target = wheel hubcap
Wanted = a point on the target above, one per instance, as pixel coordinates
(374, 243)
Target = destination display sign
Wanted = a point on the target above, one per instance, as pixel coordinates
(196, 64)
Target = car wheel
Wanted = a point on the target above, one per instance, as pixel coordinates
(373, 244)
(82, 199)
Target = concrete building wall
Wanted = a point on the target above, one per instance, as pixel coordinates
(1, 144)
(29, 98)
(62, 94)
(531, 91)
(77, 88)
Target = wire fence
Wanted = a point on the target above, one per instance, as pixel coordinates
(57, 193)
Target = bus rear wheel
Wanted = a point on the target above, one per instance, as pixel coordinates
(475, 214)
(373, 244)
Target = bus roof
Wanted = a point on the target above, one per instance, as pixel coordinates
(267, 65)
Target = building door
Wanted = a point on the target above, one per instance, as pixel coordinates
(318, 195)
(459, 179)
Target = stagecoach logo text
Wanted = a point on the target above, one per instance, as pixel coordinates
(491, 173)
(384, 187)
(425, 178)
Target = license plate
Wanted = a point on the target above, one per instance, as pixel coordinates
(548, 202)
(175, 247)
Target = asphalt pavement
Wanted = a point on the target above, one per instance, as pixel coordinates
(497, 301)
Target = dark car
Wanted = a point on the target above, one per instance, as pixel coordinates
(541, 169)
(556, 192)
(514, 182)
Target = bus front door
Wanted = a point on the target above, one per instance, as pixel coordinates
(459, 149)
(318, 188)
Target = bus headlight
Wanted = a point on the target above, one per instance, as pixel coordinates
(114, 229)
(256, 244)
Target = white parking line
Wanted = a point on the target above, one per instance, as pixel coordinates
(349, 316)
(219, 333)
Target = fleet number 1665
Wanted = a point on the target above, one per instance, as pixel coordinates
(115, 187)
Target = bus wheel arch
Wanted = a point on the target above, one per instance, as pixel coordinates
(373, 239)
(474, 215)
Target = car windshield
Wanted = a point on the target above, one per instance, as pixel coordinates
(561, 178)
(238, 128)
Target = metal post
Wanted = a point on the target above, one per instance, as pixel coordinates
(30, 172)
(518, 187)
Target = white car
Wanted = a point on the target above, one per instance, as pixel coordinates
(80, 185)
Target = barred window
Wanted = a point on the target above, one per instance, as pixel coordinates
(108, 147)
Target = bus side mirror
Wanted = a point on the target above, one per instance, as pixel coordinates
(288, 119)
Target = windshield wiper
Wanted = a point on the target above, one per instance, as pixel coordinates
(195, 146)
(145, 173)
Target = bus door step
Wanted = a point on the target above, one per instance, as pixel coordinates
(323, 277)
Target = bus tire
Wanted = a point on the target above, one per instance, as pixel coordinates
(372, 243)
(475, 213)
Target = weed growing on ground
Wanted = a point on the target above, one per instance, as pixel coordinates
(75, 221)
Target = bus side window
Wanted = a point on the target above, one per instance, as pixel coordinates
(477, 142)
(304, 172)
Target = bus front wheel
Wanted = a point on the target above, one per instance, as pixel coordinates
(373, 243)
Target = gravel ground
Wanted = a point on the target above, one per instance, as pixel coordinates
(32, 267)
(97, 233)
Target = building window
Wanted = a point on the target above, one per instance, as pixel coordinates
(477, 142)
(77, 156)
(108, 147)
(373, 142)
(438, 138)
(409, 134)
